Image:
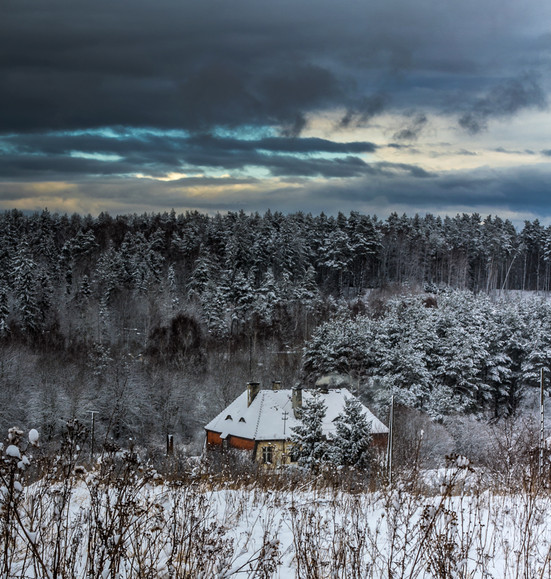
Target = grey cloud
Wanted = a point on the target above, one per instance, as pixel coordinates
(56, 154)
(514, 152)
(364, 110)
(282, 144)
(413, 128)
(504, 100)
(197, 65)
(382, 189)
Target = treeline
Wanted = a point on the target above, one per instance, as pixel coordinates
(244, 273)
(457, 353)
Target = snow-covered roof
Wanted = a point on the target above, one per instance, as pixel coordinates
(263, 419)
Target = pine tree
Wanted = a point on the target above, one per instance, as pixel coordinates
(24, 272)
(310, 447)
(351, 443)
(4, 311)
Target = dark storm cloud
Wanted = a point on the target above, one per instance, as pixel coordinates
(282, 145)
(168, 78)
(195, 65)
(169, 64)
(504, 100)
(379, 191)
(121, 143)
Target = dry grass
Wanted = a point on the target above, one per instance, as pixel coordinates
(120, 518)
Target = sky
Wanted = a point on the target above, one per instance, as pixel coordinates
(131, 106)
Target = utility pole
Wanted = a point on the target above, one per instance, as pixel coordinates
(93, 413)
(285, 417)
(542, 416)
(390, 441)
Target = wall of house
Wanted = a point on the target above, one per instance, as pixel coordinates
(213, 438)
(240, 443)
(280, 452)
(379, 441)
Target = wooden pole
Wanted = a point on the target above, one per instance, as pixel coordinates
(92, 433)
(542, 416)
(285, 417)
(169, 444)
(390, 441)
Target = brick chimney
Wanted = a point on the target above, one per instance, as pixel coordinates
(276, 385)
(253, 388)
(296, 401)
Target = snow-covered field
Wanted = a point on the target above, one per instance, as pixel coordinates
(132, 528)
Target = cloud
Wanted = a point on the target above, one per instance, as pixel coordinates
(504, 100)
(197, 65)
(383, 189)
(294, 99)
(48, 154)
(412, 128)
(282, 144)
(364, 110)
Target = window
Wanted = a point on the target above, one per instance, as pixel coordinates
(241, 419)
(228, 417)
(267, 454)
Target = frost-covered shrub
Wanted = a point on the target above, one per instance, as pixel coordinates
(14, 460)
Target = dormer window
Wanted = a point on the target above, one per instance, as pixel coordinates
(228, 417)
(241, 419)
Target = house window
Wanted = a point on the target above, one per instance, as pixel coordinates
(228, 417)
(267, 454)
(241, 419)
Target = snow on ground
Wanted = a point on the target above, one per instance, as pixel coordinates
(166, 530)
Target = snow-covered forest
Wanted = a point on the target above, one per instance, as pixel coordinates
(157, 321)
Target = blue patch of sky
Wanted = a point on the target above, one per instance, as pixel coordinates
(124, 133)
(95, 156)
(6, 148)
(245, 133)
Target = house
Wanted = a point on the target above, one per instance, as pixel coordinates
(261, 421)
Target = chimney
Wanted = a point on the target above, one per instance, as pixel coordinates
(276, 385)
(252, 390)
(296, 401)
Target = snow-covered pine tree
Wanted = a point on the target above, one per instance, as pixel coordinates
(4, 310)
(350, 446)
(310, 447)
(24, 270)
